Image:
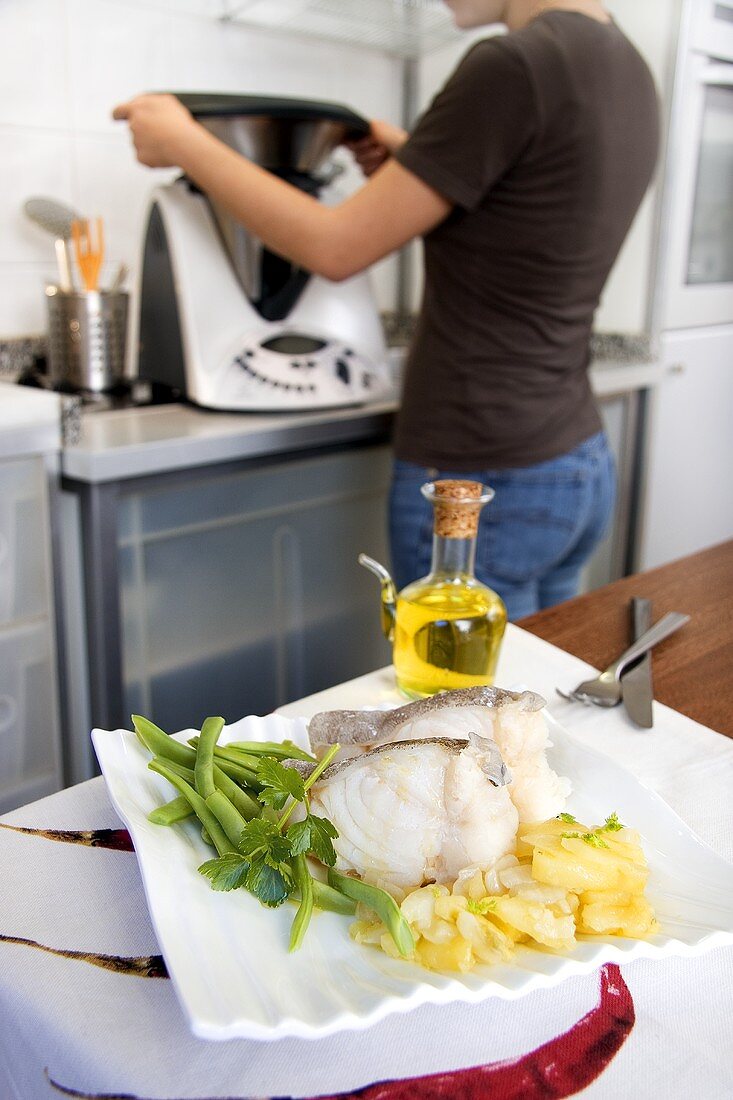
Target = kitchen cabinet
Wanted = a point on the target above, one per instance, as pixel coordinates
(240, 589)
(30, 726)
(225, 580)
(688, 503)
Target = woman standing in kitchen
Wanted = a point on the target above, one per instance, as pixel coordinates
(523, 177)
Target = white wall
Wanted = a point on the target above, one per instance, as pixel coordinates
(65, 63)
(626, 300)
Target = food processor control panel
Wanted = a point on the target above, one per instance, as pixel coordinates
(306, 368)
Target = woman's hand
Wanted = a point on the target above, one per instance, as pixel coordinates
(381, 142)
(160, 126)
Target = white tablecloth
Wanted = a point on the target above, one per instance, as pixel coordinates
(86, 1009)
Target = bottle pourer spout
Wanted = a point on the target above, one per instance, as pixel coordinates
(387, 591)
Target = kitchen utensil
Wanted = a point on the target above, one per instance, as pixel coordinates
(57, 219)
(605, 689)
(637, 692)
(229, 324)
(120, 278)
(89, 252)
(86, 339)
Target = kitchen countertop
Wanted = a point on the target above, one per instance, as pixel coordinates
(30, 421)
(126, 443)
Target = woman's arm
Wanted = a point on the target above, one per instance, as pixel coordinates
(393, 206)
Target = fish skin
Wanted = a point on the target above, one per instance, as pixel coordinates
(493, 766)
(356, 727)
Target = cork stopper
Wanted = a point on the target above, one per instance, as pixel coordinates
(457, 508)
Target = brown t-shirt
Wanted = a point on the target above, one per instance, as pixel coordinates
(545, 141)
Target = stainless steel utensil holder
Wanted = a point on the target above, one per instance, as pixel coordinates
(86, 338)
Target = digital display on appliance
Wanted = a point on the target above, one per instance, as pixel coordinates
(293, 344)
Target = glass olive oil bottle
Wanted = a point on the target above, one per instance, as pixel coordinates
(448, 625)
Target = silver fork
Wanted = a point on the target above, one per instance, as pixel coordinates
(605, 689)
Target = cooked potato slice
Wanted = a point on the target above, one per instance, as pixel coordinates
(489, 943)
(635, 919)
(470, 884)
(605, 897)
(418, 908)
(455, 955)
(366, 931)
(449, 907)
(534, 833)
(439, 931)
(578, 866)
(625, 848)
(537, 921)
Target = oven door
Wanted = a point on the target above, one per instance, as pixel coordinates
(700, 257)
(712, 31)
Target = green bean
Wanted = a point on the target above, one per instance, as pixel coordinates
(204, 766)
(176, 810)
(383, 905)
(247, 806)
(241, 759)
(234, 756)
(227, 815)
(202, 811)
(243, 776)
(325, 897)
(301, 920)
(159, 743)
(163, 745)
(282, 750)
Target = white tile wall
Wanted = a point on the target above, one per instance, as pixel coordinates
(65, 63)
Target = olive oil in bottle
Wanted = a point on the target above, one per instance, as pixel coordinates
(448, 625)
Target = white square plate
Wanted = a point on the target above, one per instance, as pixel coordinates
(228, 956)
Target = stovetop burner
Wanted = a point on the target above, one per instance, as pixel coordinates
(131, 394)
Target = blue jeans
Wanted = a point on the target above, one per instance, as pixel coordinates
(534, 537)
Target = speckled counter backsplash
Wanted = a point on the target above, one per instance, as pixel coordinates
(609, 347)
(17, 353)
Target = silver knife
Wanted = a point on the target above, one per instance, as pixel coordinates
(637, 691)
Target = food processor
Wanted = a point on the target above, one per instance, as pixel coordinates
(226, 323)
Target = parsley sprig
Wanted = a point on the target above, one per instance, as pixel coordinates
(263, 862)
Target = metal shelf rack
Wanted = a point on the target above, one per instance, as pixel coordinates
(405, 29)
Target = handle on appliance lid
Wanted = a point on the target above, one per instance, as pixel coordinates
(720, 75)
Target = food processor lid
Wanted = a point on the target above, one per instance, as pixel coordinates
(292, 138)
(218, 105)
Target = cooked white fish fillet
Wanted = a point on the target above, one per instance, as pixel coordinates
(512, 719)
(449, 714)
(418, 811)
